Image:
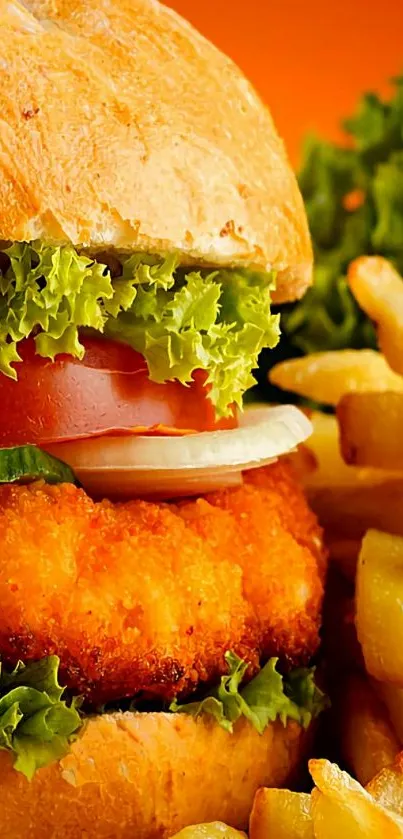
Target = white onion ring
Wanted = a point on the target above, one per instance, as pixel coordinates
(166, 467)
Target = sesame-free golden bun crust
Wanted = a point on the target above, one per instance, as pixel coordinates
(122, 127)
(147, 775)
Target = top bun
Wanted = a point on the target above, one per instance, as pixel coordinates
(122, 127)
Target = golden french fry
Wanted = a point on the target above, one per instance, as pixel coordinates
(371, 429)
(325, 377)
(378, 289)
(324, 445)
(392, 697)
(331, 470)
(352, 510)
(281, 814)
(215, 830)
(303, 462)
(342, 808)
(368, 741)
(387, 786)
(379, 598)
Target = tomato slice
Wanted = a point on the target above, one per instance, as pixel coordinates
(108, 392)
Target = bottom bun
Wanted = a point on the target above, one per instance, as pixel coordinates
(147, 775)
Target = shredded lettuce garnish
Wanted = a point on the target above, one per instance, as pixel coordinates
(262, 700)
(36, 724)
(354, 201)
(180, 320)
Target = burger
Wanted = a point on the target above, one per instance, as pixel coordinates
(161, 573)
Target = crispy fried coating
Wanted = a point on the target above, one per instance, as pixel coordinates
(145, 598)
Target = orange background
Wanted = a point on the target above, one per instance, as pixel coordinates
(309, 64)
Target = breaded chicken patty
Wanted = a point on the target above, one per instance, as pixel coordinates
(144, 598)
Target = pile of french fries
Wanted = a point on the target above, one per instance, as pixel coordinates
(352, 469)
(338, 808)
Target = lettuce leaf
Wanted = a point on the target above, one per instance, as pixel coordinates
(180, 320)
(36, 724)
(265, 698)
(328, 318)
(217, 322)
(371, 172)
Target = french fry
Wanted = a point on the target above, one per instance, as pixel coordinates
(368, 741)
(378, 289)
(379, 598)
(331, 470)
(392, 697)
(326, 377)
(341, 807)
(371, 429)
(351, 510)
(215, 830)
(324, 445)
(281, 814)
(303, 462)
(387, 786)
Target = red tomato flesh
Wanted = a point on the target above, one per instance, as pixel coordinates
(108, 392)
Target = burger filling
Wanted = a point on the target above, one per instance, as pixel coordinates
(179, 320)
(186, 606)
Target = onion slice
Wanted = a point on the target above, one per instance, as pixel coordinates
(168, 467)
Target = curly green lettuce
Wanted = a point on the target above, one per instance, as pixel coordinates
(354, 202)
(36, 724)
(181, 320)
(267, 697)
